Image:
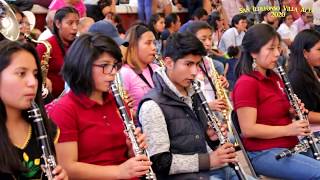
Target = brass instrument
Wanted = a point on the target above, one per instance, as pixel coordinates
(44, 63)
(221, 92)
(9, 26)
(159, 60)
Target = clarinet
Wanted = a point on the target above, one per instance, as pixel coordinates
(42, 137)
(310, 141)
(130, 128)
(215, 124)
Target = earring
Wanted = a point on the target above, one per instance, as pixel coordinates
(254, 64)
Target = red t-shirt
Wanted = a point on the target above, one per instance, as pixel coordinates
(98, 129)
(55, 64)
(267, 95)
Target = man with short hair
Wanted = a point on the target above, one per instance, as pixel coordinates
(234, 35)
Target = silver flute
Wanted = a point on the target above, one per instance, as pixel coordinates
(308, 142)
(48, 157)
(130, 128)
(216, 125)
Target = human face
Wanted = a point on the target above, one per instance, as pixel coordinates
(270, 19)
(159, 26)
(106, 10)
(68, 27)
(183, 71)
(313, 56)
(101, 78)
(307, 18)
(268, 55)
(220, 23)
(25, 26)
(146, 48)
(205, 36)
(176, 26)
(242, 25)
(289, 20)
(18, 81)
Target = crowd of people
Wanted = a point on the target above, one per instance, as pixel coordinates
(234, 57)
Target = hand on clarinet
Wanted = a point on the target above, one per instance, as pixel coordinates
(224, 154)
(212, 134)
(59, 173)
(298, 128)
(134, 167)
(141, 139)
(294, 114)
(129, 100)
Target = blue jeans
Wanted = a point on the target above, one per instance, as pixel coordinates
(297, 166)
(225, 173)
(144, 10)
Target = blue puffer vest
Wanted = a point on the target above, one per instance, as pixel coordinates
(186, 130)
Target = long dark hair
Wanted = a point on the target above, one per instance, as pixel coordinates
(60, 14)
(298, 64)
(9, 160)
(212, 20)
(153, 21)
(77, 68)
(255, 38)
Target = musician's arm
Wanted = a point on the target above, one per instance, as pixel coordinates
(67, 154)
(165, 162)
(251, 129)
(314, 117)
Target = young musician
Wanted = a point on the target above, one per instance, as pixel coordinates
(203, 32)
(93, 144)
(263, 109)
(20, 84)
(304, 59)
(178, 135)
(138, 68)
(65, 28)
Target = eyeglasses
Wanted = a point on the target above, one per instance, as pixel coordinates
(108, 68)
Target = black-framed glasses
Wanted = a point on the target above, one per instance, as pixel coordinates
(108, 68)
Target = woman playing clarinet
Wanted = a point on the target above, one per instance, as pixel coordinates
(20, 85)
(265, 116)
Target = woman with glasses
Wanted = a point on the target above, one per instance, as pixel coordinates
(92, 143)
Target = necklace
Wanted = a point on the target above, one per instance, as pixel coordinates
(27, 139)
